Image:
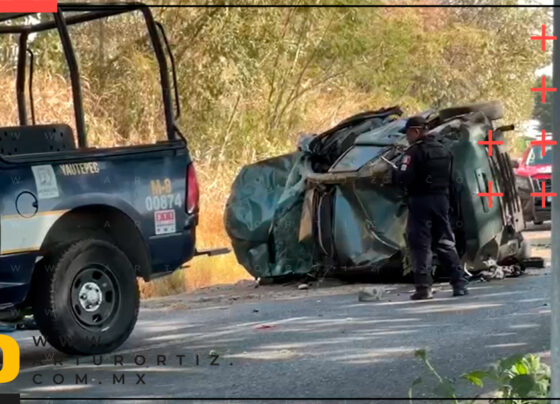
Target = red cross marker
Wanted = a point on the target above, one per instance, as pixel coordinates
(491, 194)
(543, 38)
(490, 142)
(543, 142)
(543, 194)
(543, 90)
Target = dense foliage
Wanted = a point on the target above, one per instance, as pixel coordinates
(517, 379)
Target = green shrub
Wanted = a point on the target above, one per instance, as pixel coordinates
(520, 379)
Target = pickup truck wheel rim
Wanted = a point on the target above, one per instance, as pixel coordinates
(94, 296)
(90, 296)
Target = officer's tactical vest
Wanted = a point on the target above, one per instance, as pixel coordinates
(433, 168)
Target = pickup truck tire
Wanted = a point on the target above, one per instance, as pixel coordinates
(86, 298)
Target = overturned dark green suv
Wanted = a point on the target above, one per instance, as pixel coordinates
(334, 206)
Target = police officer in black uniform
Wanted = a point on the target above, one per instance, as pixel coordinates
(426, 172)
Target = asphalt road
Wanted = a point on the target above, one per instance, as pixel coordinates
(306, 346)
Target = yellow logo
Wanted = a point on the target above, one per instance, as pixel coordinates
(10, 353)
(161, 187)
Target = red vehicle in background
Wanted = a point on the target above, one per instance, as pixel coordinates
(532, 171)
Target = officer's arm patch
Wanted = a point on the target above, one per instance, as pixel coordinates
(405, 162)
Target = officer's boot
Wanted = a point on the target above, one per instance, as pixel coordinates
(422, 293)
(460, 290)
(459, 284)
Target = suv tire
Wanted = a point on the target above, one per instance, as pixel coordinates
(86, 298)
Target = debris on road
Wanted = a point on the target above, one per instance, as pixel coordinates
(303, 286)
(494, 271)
(371, 294)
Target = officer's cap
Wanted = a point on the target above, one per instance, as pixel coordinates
(416, 122)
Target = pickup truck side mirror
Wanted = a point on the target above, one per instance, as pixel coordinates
(514, 163)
